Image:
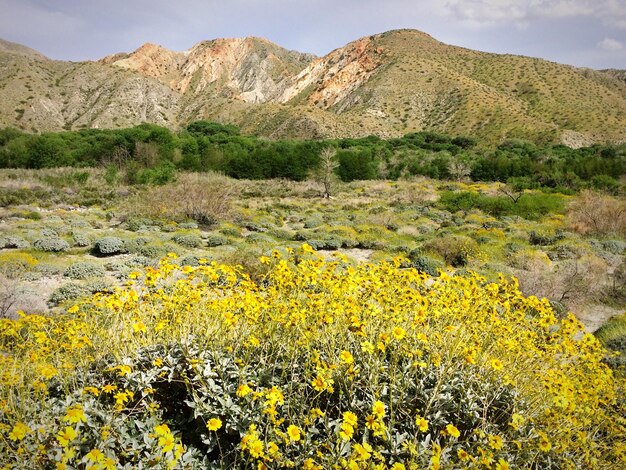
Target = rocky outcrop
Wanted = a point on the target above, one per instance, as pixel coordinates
(387, 84)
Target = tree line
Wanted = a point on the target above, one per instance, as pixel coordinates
(150, 153)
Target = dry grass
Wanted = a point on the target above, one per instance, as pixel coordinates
(597, 214)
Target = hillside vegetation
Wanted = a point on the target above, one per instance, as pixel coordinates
(386, 84)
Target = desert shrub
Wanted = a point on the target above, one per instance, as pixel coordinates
(13, 241)
(134, 224)
(572, 282)
(52, 244)
(189, 260)
(597, 214)
(101, 286)
(109, 246)
(49, 269)
(81, 240)
(368, 242)
(133, 245)
(561, 252)
(318, 365)
(543, 239)
(419, 261)
(83, 270)
(281, 234)
(456, 250)
(617, 247)
(325, 243)
(253, 226)
(259, 239)
(313, 222)
(216, 240)
(613, 335)
(66, 292)
(188, 225)
(153, 250)
(49, 233)
(231, 231)
(188, 241)
(15, 264)
(204, 199)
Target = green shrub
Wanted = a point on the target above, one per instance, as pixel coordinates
(189, 260)
(455, 250)
(81, 240)
(109, 246)
(216, 240)
(188, 241)
(83, 270)
(70, 291)
(51, 244)
(418, 260)
(13, 241)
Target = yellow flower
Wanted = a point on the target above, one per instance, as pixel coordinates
(517, 420)
(66, 436)
(294, 433)
(108, 388)
(367, 347)
(350, 418)
(214, 424)
(75, 414)
(243, 390)
(452, 431)
(162, 429)
(346, 357)
(544, 443)
(463, 455)
(346, 431)
(362, 452)
(139, 327)
(502, 465)
(495, 442)
(19, 432)
(93, 390)
(421, 423)
(398, 333)
(95, 455)
(496, 364)
(398, 466)
(378, 408)
(47, 372)
(166, 441)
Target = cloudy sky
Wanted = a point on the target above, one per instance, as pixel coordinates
(589, 33)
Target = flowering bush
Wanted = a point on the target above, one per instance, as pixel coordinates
(318, 365)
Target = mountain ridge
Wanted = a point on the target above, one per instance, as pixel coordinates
(386, 84)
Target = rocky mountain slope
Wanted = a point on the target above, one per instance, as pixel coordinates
(387, 84)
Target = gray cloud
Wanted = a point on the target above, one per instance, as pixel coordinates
(612, 12)
(609, 44)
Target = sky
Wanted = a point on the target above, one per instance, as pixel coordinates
(585, 33)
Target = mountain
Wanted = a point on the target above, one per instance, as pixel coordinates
(387, 84)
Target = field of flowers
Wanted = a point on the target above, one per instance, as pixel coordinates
(319, 364)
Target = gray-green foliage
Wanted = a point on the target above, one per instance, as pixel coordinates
(67, 292)
(188, 241)
(83, 270)
(109, 246)
(216, 240)
(13, 241)
(51, 244)
(81, 240)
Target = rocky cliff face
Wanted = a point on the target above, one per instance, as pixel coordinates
(252, 70)
(386, 84)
